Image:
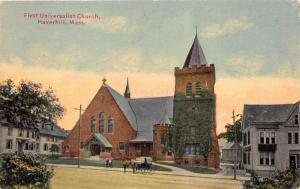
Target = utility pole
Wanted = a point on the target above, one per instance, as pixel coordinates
(235, 145)
(79, 135)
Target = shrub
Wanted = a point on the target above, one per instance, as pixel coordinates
(21, 170)
(286, 179)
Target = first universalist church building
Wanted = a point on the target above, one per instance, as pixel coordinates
(182, 126)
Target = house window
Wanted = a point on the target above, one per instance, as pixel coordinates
(37, 146)
(48, 138)
(93, 125)
(122, 146)
(248, 157)
(197, 149)
(32, 134)
(262, 139)
(296, 119)
(9, 131)
(9, 144)
(45, 147)
(32, 146)
(261, 158)
(21, 131)
(26, 146)
(101, 122)
(163, 138)
(267, 138)
(187, 149)
(245, 139)
(289, 138)
(27, 134)
(198, 89)
(245, 158)
(273, 137)
(296, 138)
(189, 88)
(110, 124)
(267, 158)
(248, 137)
(193, 150)
(272, 158)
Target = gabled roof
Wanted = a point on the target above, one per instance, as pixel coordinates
(57, 131)
(100, 138)
(195, 56)
(46, 130)
(124, 105)
(143, 113)
(150, 111)
(278, 113)
(231, 146)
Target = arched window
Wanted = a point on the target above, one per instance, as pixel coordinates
(189, 88)
(101, 122)
(93, 125)
(110, 124)
(198, 88)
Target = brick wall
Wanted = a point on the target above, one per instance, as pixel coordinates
(122, 131)
(204, 74)
(158, 148)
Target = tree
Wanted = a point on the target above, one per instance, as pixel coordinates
(28, 104)
(230, 129)
(21, 170)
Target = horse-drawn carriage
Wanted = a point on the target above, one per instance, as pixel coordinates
(142, 164)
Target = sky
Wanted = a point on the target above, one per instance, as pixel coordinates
(254, 45)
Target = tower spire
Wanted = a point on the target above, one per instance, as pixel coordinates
(195, 56)
(127, 90)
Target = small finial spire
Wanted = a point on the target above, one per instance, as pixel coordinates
(196, 30)
(104, 80)
(127, 91)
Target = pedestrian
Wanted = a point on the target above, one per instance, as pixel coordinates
(107, 162)
(110, 162)
(124, 165)
(133, 167)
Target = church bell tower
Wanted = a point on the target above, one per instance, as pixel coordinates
(194, 114)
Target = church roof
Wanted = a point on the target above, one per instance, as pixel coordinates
(143, 113)
(149, 111)
(165, 119)
(195, 56)
(125, 107)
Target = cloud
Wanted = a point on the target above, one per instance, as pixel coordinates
(242, 65)
(112, 24)
(231, 26)
(127, 60)
(41, 56)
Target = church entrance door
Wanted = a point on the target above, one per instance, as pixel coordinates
(95, 149)
(146, 150)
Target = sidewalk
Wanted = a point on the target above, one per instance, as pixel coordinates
(175, 171)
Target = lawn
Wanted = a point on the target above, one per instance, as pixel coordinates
(97, 163)
(74, 178)
(195, 169)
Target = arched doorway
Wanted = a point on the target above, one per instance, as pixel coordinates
(95, 149)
